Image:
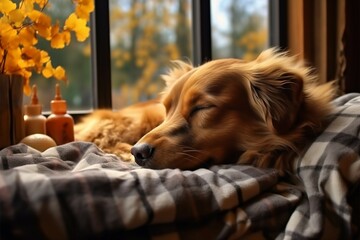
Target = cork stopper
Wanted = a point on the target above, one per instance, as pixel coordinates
(58, 105)
(34, 108)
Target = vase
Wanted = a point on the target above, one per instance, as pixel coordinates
(12, 129)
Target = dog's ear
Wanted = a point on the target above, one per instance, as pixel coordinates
(277, 97)
(177, 69)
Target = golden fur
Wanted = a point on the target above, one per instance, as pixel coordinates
(261, 112)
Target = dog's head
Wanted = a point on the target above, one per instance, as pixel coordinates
(229, 109)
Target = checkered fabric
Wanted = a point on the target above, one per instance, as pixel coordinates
(75, 191)
(328, 177)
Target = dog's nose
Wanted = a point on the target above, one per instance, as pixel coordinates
(142, 153)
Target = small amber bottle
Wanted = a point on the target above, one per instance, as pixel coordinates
(59, 125)
(34, 121)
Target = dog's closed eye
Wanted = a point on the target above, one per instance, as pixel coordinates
(199, 108)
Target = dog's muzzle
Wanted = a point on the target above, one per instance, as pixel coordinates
(142, 153)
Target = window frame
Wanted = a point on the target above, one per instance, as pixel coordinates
(100, 55)
(201, 31)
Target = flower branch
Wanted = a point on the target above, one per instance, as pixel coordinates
(22, 24)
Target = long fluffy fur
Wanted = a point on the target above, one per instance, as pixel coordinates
(261, 112)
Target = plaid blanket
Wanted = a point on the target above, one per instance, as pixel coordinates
(75, 191)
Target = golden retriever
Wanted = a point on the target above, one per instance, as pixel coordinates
(261, 112)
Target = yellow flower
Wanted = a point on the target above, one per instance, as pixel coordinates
(78, 25)
(12, 61)
(58, 72)
(8, 37)
(48, 70)
(7, 6)
(27, 6)
(84, 8)
(59, 39)
(27, 37)
(16, 17)
(42, 23)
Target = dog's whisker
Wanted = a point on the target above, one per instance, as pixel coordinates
(192, 151)
(188, 155)
(187, 149)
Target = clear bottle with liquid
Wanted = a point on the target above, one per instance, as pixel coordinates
(34, 121)
(59, 124)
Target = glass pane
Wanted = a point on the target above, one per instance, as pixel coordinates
(76, 61)
(239, 28)
(145, 35)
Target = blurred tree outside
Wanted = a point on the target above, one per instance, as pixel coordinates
(239, 27)
(75, 59)
(145, 36)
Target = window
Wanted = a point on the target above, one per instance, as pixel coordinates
(146, 34)
(125, 66)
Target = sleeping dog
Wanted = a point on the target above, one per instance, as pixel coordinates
(261, 112)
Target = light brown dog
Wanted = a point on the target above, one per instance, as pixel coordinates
(261, 112)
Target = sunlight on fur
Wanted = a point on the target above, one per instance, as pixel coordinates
(262, 112)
